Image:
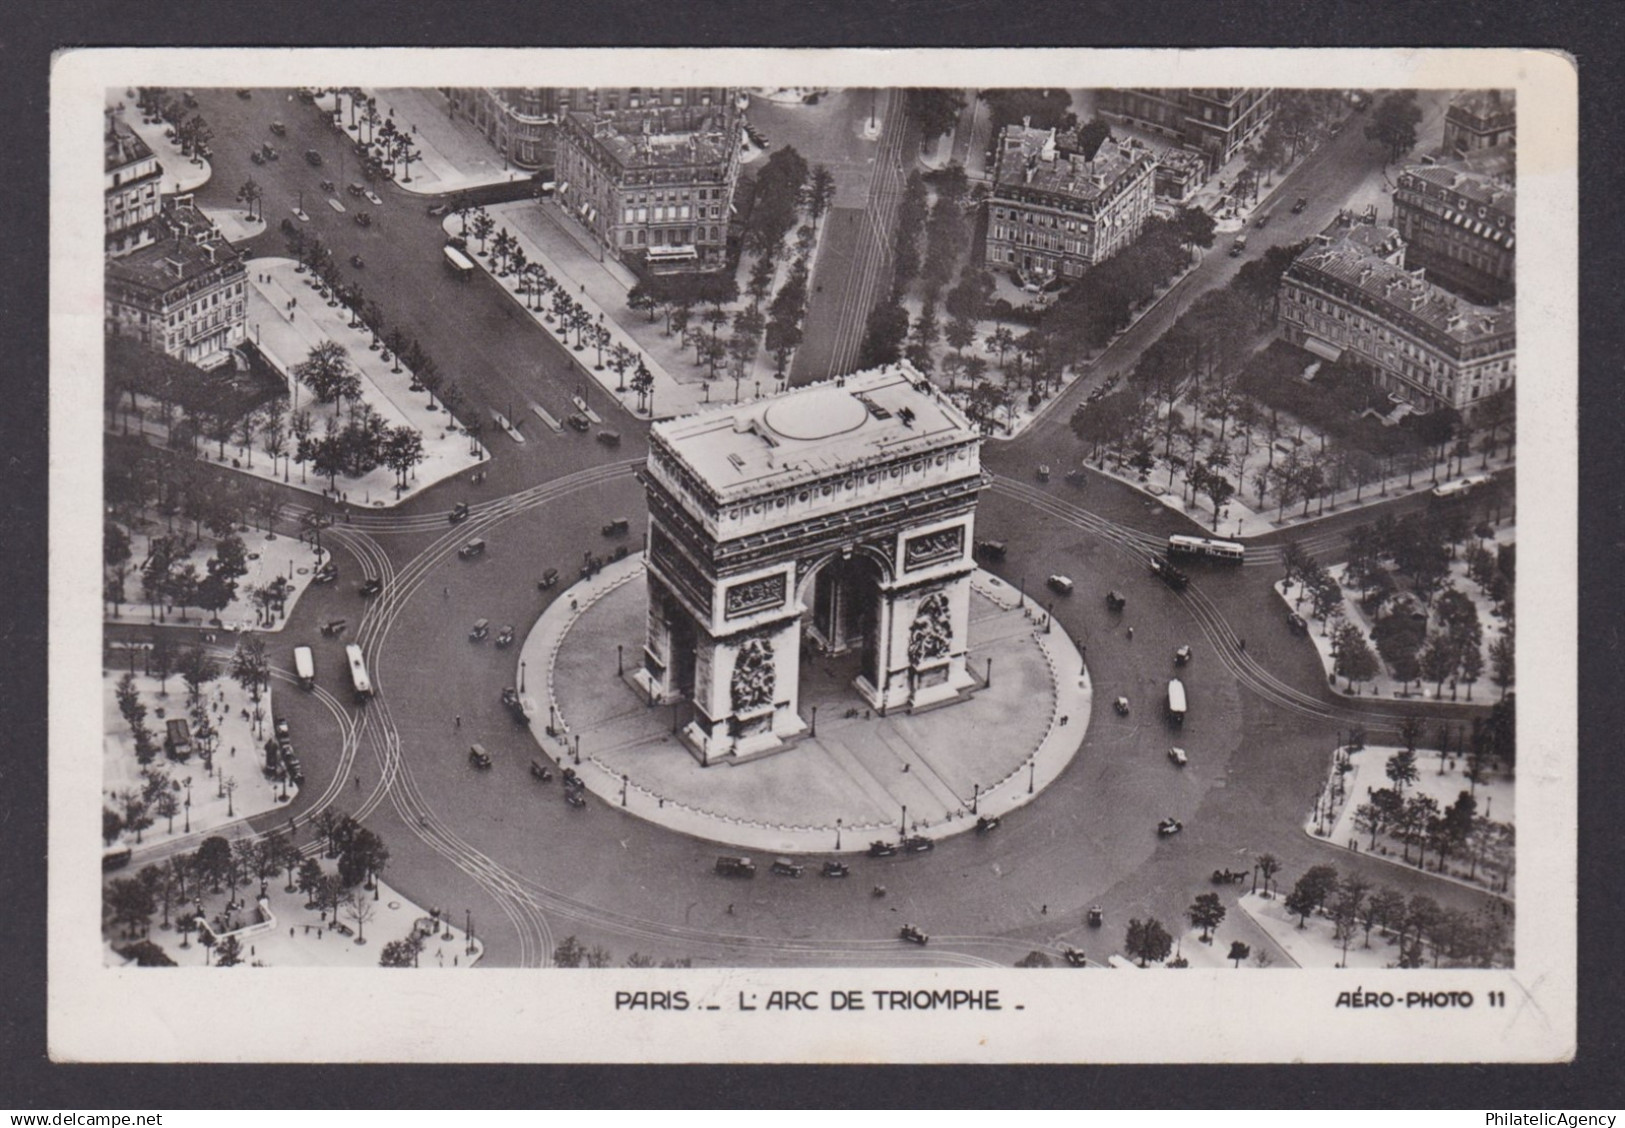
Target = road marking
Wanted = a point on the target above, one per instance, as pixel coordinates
(542, 414)
(334, 204)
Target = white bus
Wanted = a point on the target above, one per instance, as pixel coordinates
(1207, 548)
(1176, 701)
(1461, 486)
(459, 263)
(358, 673)
(304, 664)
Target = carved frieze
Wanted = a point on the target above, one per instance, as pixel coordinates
(933, 548)
(762, 594)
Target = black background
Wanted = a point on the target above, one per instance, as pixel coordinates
(29, 1082)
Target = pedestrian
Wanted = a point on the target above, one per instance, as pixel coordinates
(290, 932)
(1131, 632)
(445, 592)
(459, 721)
(1242, 643)
(307, 930)
(730, 909)
(1044, 911)
(234, 750)
(318, 934)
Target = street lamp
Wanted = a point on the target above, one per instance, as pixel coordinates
(620, 666)
(903, 827)
(578, 749)
(1032, 772)
(976, 797)
(521, 675)
(814, 730)
(624, 781)
(188, 782)
(837, 834)
(468, 930)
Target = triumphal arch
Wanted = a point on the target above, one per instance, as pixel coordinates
(836, 518)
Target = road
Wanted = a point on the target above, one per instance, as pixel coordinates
(531, 870)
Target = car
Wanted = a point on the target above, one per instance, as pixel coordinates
(913, 935)
(1263, 219)
(479, 757)
(1074, 957)
(579, 422)
(472, 549)
(550, 578)
(357, 261)
(574, 798)
(1302, 202)
(1238, 246)
(1077, 477)
(326, 574)
(505, 636)
(313, 159)
(356, 188)
(459, 512)
(882, 849)
(329, 186)
(918, 844)
(784, 867)
(438, 210)
(363, 219)
(279, 129)
(280, 726)
(1043, 472)
(1115, 601)
(1097, 916)
(987, 823)
(257, 157)
(1060, 585)
(190, 99)
(616, 528)
(372, 586)
(835, 869)
(1182, 655)
(244, 93)
(333, 628)
(1297, 623)
(1168, 574)
(1178, 757)
(1169, 826)
(734, 865)
(479, 631)
(621, 552)
(1121, 705)
(991, 549)
(510, 697)
(610, 438)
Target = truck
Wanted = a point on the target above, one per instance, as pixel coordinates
(1176, 701)
(304, 664)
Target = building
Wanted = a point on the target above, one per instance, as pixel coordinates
(654, 183)
(521, 123)
(1217, 122)
(1353, 294)
(844, 511)
(1480, 119)
(1461, 225)
(132, 176)
(185, 294)
(1054, 213)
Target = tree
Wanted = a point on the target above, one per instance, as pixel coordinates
(327, 372)
(228, 952)
(1268, 866)
(568, 953)
(1503, 666)
(128, 902)
(1438, 660)
(1147, 940)
(1401, 768)
(213, 860)
(249, 666)
(360, 908)
(935, 110)
(1355, 660)
(1311, 891)
(310, 879)
(1394, 122)
(145, 953)
(1206, 913)
(398, 953)
(1034, 958)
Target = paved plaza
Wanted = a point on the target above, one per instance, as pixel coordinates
(854, 780)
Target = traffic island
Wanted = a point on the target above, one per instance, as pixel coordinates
(853, 776)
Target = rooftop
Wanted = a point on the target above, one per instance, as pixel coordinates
(1356, 257)
(188, 246)
(1484, 104)
(814, 431)
(123, 145)
(1049, 161)
(1462, 178)
(662, 136)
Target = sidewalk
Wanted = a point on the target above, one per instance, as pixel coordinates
(455, 155)
(181, 173)
(861, 767)
(545, 235)
(285, 335)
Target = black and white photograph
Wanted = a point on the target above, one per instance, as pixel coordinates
(767, 561)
